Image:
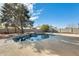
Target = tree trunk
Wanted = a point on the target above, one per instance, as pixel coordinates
(22, 31)
(7, 30)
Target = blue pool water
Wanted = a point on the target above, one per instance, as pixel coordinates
(32, 37)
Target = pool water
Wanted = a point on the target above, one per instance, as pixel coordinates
(32, 37)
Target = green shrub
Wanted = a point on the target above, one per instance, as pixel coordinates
(44, 28)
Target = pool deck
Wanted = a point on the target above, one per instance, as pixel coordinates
(65, 34)
(41, 48)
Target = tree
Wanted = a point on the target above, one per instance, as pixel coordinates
(44, 28)
(22, 15)
(5, 15)
(16, 14)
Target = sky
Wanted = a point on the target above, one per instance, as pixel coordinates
(57, 14)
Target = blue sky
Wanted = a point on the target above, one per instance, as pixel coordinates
(57, 14)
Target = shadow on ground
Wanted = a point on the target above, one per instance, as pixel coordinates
(50, 47)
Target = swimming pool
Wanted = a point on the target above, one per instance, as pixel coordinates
(39, 37)
(32, 37)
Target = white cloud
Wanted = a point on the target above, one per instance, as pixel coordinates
(34, 18)
(34, 14)
(38, 12)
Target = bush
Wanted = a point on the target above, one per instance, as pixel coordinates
(44, 28)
